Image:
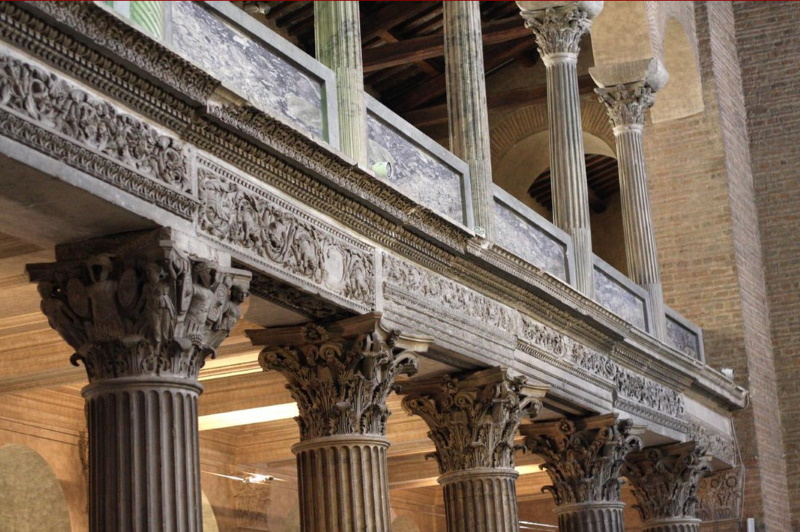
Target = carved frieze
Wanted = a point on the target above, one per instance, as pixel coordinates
(583, 457)
(473, 418)
(283, 237)
(665, 480)
(142, 307)
(720, 495)
(445, 294)
(341, 374)
(716, 444)
(58, 118)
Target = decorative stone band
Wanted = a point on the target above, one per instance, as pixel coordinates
(343, 484)
(583, 457)
(481, 499)
(473, 417)
(665, 481)
(137, 305)
(341, 374)
(591, 517)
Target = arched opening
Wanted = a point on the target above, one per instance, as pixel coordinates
(31, 498)
(683, 95)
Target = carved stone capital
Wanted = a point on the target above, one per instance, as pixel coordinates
(665, 480)
(138, 305)
(340, 374)
(473, 418)
(720, 495)
(559, 26)
(626, 104)
(583, 457)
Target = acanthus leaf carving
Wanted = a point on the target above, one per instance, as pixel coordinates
(626, 104)
(558, 29)
(665, 480)
(583, 457)
(473, 418)
(143, 308)
(341, 374)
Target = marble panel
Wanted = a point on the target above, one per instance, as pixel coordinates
(248, 66)
(682, 338)
(522, 237)
(617, 298)
(416, 171)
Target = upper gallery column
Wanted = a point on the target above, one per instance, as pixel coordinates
(473, 419)
(340, 375)
(558, 27)
(627, 90)
(466, 104)
(337, 34)
(142, 314)
(665, 481)
(583, 459)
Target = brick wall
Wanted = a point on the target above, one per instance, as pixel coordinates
(768, 43)
(710, 252)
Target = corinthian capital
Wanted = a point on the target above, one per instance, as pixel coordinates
(559, 26)
(583, 457)
(473, 418)
(340, 374)
(665, 480)
(138, 305)
(627, 89)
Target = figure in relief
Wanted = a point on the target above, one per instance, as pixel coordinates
(160, 310)
(101, 293)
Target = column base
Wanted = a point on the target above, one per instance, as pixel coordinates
(481, 499)
(343, 484)
(591, 517)
(680, 524)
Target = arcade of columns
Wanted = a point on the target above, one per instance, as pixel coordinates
(143, 347)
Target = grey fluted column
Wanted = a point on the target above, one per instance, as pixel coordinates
(583, 459)
(340, 375)
(627, 90)
(665, 481)
(558, 27)
(142, 317)
(337, 33)
(473, 419)
(466, 105)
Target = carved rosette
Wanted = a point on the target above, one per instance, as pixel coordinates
(473, 418)
(721, 494)
(558, 30)
(626, 104)
(341, 374)
(137, 306)
(665, 480)
(583, 457)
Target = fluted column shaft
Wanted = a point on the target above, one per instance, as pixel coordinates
(558, 31)
(337, 31)
(673, 525)
(144, 466)
(637, 220)
(481, 499)
(466, 104)
(591, 517)
(343, 483)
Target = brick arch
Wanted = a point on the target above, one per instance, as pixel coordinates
(533, 119)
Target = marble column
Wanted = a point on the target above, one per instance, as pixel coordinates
(558, 27)
(340, 375)
(142, 315)
(467, 111)
(337, 34)
(583, 459)
(473, 419)
(627, 90)
(665, 481)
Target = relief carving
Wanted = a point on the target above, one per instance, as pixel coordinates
(583, 457)
(626, 104)
(716, 444)
(720, 495)
(145, 308)
(558, 29)
(262, 225)
(473, 418)
(341, 374)
(665, 480)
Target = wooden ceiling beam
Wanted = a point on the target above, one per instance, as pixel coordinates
(421, 48)
(500, 101)
(393, 14)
